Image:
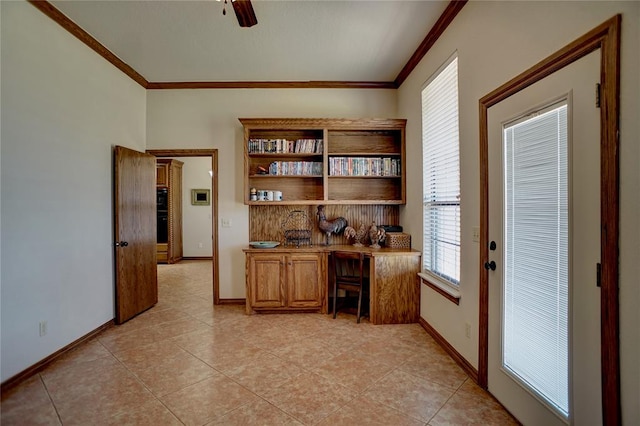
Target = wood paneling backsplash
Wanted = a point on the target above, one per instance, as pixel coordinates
(265, 222)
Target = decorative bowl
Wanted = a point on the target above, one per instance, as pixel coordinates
(264, 244)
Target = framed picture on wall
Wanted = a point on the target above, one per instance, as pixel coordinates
(200, 197)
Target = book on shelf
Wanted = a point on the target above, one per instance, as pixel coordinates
(284, 146)
(364, 166)
(295, 168)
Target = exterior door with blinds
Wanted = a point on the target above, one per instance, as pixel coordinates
(544, 206)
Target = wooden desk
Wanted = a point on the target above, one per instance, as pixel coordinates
(395, 289)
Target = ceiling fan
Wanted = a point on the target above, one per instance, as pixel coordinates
(244, 12)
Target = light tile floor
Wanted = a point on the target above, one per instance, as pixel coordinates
(187, 362)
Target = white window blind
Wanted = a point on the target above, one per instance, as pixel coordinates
(441, 175)
(536, 281)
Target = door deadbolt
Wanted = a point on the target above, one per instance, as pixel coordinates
(490, 265)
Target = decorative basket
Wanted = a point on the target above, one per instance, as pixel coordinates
(296, 228)
(398, 240)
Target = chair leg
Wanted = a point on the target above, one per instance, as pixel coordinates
(335, 297)
(359, 304)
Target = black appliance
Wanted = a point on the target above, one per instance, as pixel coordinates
(163, 199)
(163, 215)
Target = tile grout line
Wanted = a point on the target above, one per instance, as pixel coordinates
(46, 389)
(441, 407)
(448, 399)
(157, 398)
(226, 376)
(304, 370)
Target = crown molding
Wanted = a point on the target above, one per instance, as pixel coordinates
(434, 34)
(66, 23)
(273, 85)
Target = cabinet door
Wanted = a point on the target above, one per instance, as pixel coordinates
(265, 281)
(162, 174)
(305, 280)
(175, 211)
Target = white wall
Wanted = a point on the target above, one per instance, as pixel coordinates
(495, 42)
(63, 108)
(209, 119)
(196, 220)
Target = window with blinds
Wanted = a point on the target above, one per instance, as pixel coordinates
(536, 274)
(441, 175)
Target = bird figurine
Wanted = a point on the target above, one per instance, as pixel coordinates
(360, 236)
(376, 235)
(349, 233)
(334, 226)
(357, 236)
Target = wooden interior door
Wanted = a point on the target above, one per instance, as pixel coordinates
(135, 233)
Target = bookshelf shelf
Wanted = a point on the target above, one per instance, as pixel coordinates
(364, 177)
(365, 154)
(285, 155)
(285, 176)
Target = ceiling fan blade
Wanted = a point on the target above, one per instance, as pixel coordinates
(244, 12)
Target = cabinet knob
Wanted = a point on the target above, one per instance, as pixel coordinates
(121, 243)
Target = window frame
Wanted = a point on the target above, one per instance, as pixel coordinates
(441, 282)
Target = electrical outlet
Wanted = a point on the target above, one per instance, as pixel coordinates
(476, 234)
(200, 245)
(43, 328)
(467, 330)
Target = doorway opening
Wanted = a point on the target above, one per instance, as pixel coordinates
(213, 154)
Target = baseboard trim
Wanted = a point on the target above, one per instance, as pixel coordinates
(232, 301)
(41, 365)
(197, 258)
(453, 353)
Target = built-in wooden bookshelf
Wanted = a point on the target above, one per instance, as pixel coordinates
(325, 161)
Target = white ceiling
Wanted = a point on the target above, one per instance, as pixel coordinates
(301, 40)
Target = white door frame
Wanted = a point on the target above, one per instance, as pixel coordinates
(605, 37)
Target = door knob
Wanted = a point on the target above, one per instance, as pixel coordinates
(490, 265)
(492, 245)
(121, 243)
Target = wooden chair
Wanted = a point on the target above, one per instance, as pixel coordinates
(348, 269)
